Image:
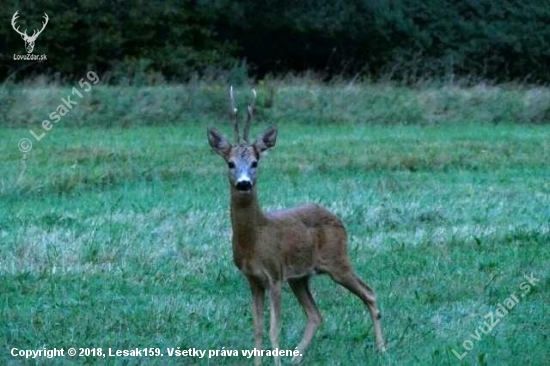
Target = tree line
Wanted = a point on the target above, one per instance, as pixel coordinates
(507, 40)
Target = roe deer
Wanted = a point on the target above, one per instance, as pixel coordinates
(288, 245)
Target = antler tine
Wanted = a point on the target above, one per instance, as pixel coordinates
(234, 115)
(249, 115)
(13, 19)
(36, 31)
(44, 23)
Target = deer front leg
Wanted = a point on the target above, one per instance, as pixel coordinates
(275, 316)
(258, 295)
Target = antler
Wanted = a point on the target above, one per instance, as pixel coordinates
(43, 26)
(234, 115)
(249, 115)
(13, 19)
(24, 34)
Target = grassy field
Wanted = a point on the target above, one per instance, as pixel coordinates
(116, 234)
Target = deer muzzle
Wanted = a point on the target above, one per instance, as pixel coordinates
(243, 183)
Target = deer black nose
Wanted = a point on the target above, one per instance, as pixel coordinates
(244, 185)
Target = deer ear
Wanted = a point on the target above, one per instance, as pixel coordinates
(266, 139)
(218, 142)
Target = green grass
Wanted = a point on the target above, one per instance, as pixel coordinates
(119, 237)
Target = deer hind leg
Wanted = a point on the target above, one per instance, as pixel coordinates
(350, 281)
(300, 288)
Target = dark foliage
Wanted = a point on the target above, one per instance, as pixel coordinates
(176, 40)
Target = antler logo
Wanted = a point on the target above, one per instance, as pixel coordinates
(29, 40)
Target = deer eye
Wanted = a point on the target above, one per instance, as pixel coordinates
(231, 165)
(254, 164)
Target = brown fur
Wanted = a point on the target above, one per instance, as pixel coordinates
(287, 245)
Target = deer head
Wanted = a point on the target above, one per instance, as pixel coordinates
(242, 156)
(29, 40)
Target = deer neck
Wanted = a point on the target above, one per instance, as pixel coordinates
(246, 216)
